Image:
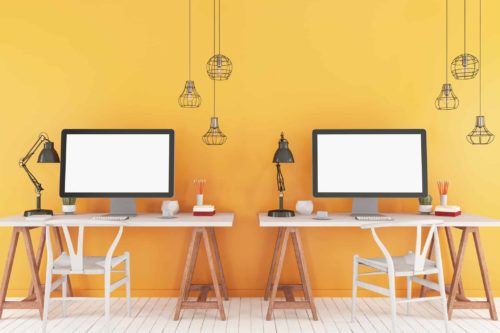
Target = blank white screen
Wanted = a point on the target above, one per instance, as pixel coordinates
(369, 163)
(114, 163)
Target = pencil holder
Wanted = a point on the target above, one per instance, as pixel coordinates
(443, 199)
(199, 199)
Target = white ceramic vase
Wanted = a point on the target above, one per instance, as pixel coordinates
(304, 207)
(169, 208)
(425, 209)
(69, 209)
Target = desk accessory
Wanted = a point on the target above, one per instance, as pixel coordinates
(199, 185)
(321, 215)
(375, 218)
(425, 204)
(304, 207)
(169, 208)
(47, 155)
(69, 205)
(447, 211)
(282, 155)
(443, 192)
(110, 217)
(204, 210)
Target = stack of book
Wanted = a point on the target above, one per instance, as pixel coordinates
(204, 210)
(447, 211)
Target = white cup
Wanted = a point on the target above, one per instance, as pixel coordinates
(169, 208)
(199, 199)
(304, 207)
(443, 200)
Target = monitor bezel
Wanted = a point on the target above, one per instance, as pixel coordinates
(62, 189)
(423, 137)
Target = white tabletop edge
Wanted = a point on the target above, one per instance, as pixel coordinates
(219, 220)
(346, 220)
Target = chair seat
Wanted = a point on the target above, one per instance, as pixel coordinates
(91, 264)
(403, 265)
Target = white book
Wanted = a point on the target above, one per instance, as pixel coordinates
(203, 208)
(447, 209)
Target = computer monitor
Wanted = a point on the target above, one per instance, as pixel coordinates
(366, 164)
(121, 164)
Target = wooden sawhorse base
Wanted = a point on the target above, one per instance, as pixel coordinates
(275, 273)
(35, 295)
(456, 296)
(215, 265)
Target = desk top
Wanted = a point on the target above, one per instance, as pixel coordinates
(346, 220)
(141, 220)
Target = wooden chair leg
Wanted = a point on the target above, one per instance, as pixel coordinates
(484, 273)
(213, 273)
(304, 274)
(458, 271)
(185, 276)
(33, 268)
(8, 268)
(272, 270)
(60, 248)
(282, 250)
(215, 246)
(192, 264)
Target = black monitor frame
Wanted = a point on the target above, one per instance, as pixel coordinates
(423, 137)
(62, 190)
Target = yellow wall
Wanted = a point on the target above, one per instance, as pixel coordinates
(298, 65)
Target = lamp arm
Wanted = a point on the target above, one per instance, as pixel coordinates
(36, 183)
(279, 178)
(41, 139)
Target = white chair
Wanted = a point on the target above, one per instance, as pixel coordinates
(410, 266)
(75, 263)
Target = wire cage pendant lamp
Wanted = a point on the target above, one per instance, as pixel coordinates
(446, 100)
(214, 136)
(219, 66)
(189, 98)
(480, 135)
(465, 66)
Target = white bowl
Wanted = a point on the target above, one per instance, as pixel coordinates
(304, 207)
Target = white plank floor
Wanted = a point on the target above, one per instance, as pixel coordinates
(246, 315)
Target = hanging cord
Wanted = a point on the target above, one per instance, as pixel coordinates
(189, 29)
(465, 28)
(219, 26)
(480, 56)
(215, 59)
(446, 38)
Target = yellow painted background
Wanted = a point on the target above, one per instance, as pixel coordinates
(298, 65)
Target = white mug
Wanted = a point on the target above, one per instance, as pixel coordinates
(169, 208)
(304, 207)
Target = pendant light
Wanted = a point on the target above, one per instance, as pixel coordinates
(189, 97)
(214, 135)
(446, 100)
(480, 135)
(465, 66)
(219, 67)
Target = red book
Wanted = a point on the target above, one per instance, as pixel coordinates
(204, 213)
(448, 213)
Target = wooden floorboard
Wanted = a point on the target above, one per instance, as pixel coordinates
(246, 315)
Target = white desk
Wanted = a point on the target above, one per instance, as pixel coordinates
(203, 227)
(469, 225)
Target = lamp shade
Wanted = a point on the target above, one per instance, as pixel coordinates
(283, 154)
(48, 153)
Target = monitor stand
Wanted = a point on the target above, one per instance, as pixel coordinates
(123, 206)
(365, 207)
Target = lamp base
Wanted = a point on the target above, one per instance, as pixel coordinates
(281, 213)
(34, 212)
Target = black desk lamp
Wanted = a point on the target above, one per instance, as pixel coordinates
(47, 155)
(282, 155)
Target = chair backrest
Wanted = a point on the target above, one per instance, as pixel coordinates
(416, 259)
(76, 254)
